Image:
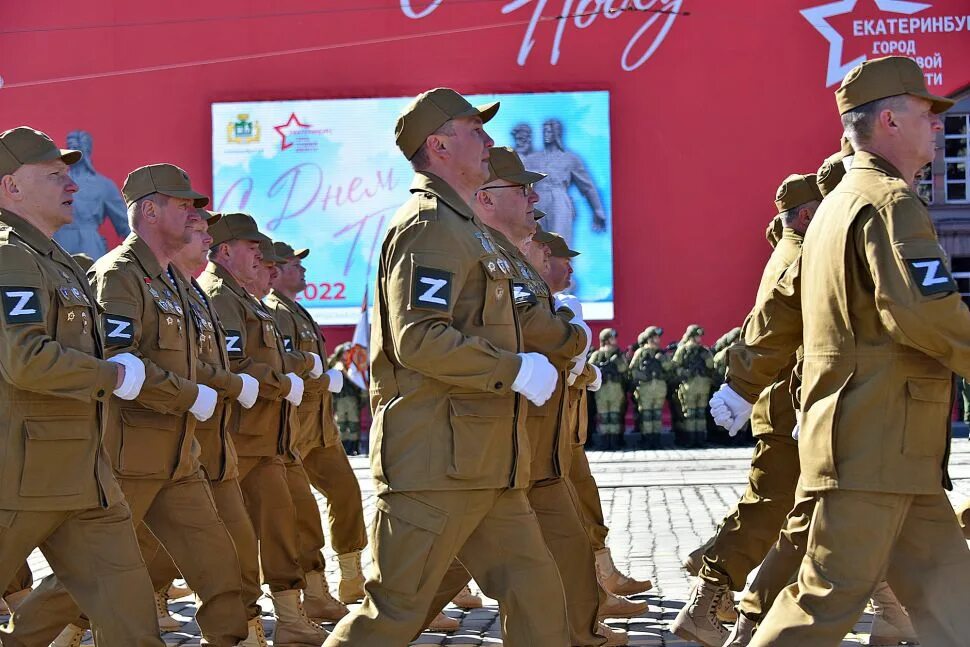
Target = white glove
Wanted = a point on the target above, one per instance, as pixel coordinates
(569, 301)
(798, 425)
(336, 380)
(317, 369)
(295, 396)
(598, 382)
(134, 375)
(250, 390)
(205, 403)
(536, 379)
(730, 410)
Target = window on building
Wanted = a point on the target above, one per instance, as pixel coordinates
(961, 274)
(925, 184)
(957, 158)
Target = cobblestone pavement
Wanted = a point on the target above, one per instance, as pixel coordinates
(660, 505)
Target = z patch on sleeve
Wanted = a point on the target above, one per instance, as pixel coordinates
(21, 305)
(287, 343)
(234, 343)
(523, 294)
(931, 275)
(118, 330)
(431, 288)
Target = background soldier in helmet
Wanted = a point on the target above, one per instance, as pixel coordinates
(648, 371)
(611, 398)
(694, 364)
(347, 404)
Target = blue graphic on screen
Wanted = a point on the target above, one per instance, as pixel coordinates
(326, 174)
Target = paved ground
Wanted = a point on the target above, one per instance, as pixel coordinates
(659, 504)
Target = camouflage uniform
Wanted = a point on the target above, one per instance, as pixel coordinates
(611, 398)
(648, 370)
(694, 365)
(347, 404)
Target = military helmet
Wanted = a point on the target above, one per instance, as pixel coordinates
(648, 332)
(606, 333)
(693, 330)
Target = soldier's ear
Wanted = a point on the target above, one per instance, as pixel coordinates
(9, 187)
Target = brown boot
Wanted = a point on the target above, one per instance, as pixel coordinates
(697, 620)
(318, 604)
(613, 580)
(742, 633)
(293, 628)
(443, 623)
(725, 607)
(890, 622)
(467, 600)
(256, 636)
(614, 637)
(176, 592)
(616, 607)
(165, 620)
(71, 636)
(351, 587)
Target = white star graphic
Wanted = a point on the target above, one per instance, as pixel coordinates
(817, 16)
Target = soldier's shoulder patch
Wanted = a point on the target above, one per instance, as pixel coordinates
(431, 288)
(287, 343)
(523, 294)
(931, 275)
(21, 305)
(118, 330)
(234, 347)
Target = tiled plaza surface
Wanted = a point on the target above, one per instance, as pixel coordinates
(660, 505)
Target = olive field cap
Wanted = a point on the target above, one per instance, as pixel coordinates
(885, 77)
(24, 145)
(558, 247)
(538, 214)
(234, 226)
(429, 111)
(505, 164)
(832, 170)
(210, 217)
(166, 179)
(287, 253)
(797, 190)
(542, 236)
(267, 250)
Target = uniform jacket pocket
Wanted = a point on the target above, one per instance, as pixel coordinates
(476, 423)
(147, 443)
(927, 411)
(55, 456)
(414, 526)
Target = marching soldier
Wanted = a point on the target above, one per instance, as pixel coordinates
(448, 375)
(611, 396)
(648, 370)
(693, 364)
(719, 349)
(58, 490)
(347, 404)
(261, 434)
(324, 458)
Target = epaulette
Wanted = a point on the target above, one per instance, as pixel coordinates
(5, 231)
(427, 206)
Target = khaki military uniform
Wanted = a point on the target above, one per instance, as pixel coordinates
(347, 404)
(581, 479)
(879, 499)
(22, 580)
(218, 458)
(744, 537)
(694, 365)
(57, 490)
(324, 459)
(648, 371)
(262, 434)
(963, 514)
(611, 397)
(151, 442)
(450, 450)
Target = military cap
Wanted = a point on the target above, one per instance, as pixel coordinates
(775, 229)
(210, 217)
(166, 179)
(287, 253)
(234, 226)
(83, 260)
(429, 111)
(505, 164)
(543, 236)
(795, 191)
(606, 333)
(24, 145)
(267, 250)
(538, 214)
(885, 77)
(833, 168)
(558, 247)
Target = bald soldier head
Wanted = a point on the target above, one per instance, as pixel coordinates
(887, 110)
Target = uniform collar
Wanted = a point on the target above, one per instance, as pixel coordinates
(791, 234)
(431, 183)
(226, 277)
(282, 298)
(502, 240)
(144, 255)
(865, 159)
(31, 234)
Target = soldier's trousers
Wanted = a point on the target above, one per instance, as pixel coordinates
(746, 535)
(650, 401)
(94, 554)
(183, 516)
(693, 395)
(229, 503)
(566, 538)
(855, 540)
(609, 408)
(266, 493)
(309, 526)
(23, 579)
(963, 514)
(330, 472)
(414, 540)
(588, 496)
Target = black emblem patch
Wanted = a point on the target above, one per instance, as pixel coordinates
(234, 343)
(21, 305)
(431, 289)
(522, 294)
(287, 343)
(931, 275)
(118, 330)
